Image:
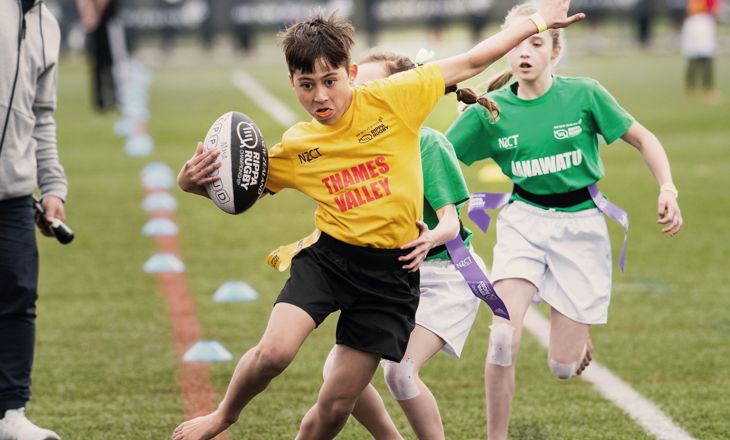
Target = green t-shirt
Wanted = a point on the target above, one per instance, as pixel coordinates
(443, 183)
(547, 145)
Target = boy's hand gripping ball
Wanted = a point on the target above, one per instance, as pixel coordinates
(244, 162)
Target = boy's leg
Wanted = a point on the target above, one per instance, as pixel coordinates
(408, 389)
(504, 344)
(352, 370)
(288, 327)
(569, 345)
(369, 410)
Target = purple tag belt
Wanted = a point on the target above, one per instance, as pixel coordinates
(475, 277)
(614, 212)
(480, 202)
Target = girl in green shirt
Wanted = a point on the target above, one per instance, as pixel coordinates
(552, 241)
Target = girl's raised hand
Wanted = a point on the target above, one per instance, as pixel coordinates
(555, 13)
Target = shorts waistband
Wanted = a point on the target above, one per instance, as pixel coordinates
(369, 255)
(551, 213)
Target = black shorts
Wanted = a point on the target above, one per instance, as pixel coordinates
(377, 298)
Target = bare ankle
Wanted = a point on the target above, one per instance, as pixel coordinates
(225, 418)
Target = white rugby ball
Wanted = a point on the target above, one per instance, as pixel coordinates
(244, 162)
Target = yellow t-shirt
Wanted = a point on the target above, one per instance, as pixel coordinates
(365, 171)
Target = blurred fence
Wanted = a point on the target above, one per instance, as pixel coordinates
(242, 19)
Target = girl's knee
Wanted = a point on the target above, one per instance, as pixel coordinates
(400, 377)
(504, 342)
(562, 370)
(563, 365)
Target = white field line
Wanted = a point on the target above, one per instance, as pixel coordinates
(639, 408)
(260, 95)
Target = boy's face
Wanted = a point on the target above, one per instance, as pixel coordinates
(324, 93)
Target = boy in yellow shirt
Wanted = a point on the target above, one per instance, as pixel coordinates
(359, 159)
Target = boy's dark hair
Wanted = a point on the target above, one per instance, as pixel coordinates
(329, 38)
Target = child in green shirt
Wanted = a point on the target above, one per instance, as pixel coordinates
(551, 238)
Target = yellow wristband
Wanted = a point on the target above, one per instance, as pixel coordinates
(669, 187)
(539, 22)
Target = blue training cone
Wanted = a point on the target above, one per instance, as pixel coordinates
(159, 227)
(139, 144)
(124, 126)
(159, 263)
(157, 168)
(159, 201)
(235, 291)
(207, 351)
(156, 176)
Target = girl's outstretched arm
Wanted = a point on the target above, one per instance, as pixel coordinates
(446, 230)
(656, 159)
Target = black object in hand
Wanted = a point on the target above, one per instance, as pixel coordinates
(63, 233)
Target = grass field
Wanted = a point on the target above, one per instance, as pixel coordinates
(105, 364)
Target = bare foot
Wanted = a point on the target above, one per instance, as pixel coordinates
(201, 428)
(587, 357)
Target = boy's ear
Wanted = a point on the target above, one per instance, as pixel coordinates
(352, 72)
(291, 80)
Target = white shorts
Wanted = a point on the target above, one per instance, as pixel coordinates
(566, 255)
(447, 307)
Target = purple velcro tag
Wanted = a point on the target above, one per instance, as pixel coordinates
(480, 202)
(475, 277)
(614, 212)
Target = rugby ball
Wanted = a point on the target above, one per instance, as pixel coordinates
(244, 162)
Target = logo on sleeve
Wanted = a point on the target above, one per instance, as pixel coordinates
(509, 142)
(309, 156)
(569, 130)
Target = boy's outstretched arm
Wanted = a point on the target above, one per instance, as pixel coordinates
(468, 64)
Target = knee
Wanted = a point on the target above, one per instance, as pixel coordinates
(562, 370)
(562, 367)
(336, 412)
(401, 378)
(501, 338)
(271, 360)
